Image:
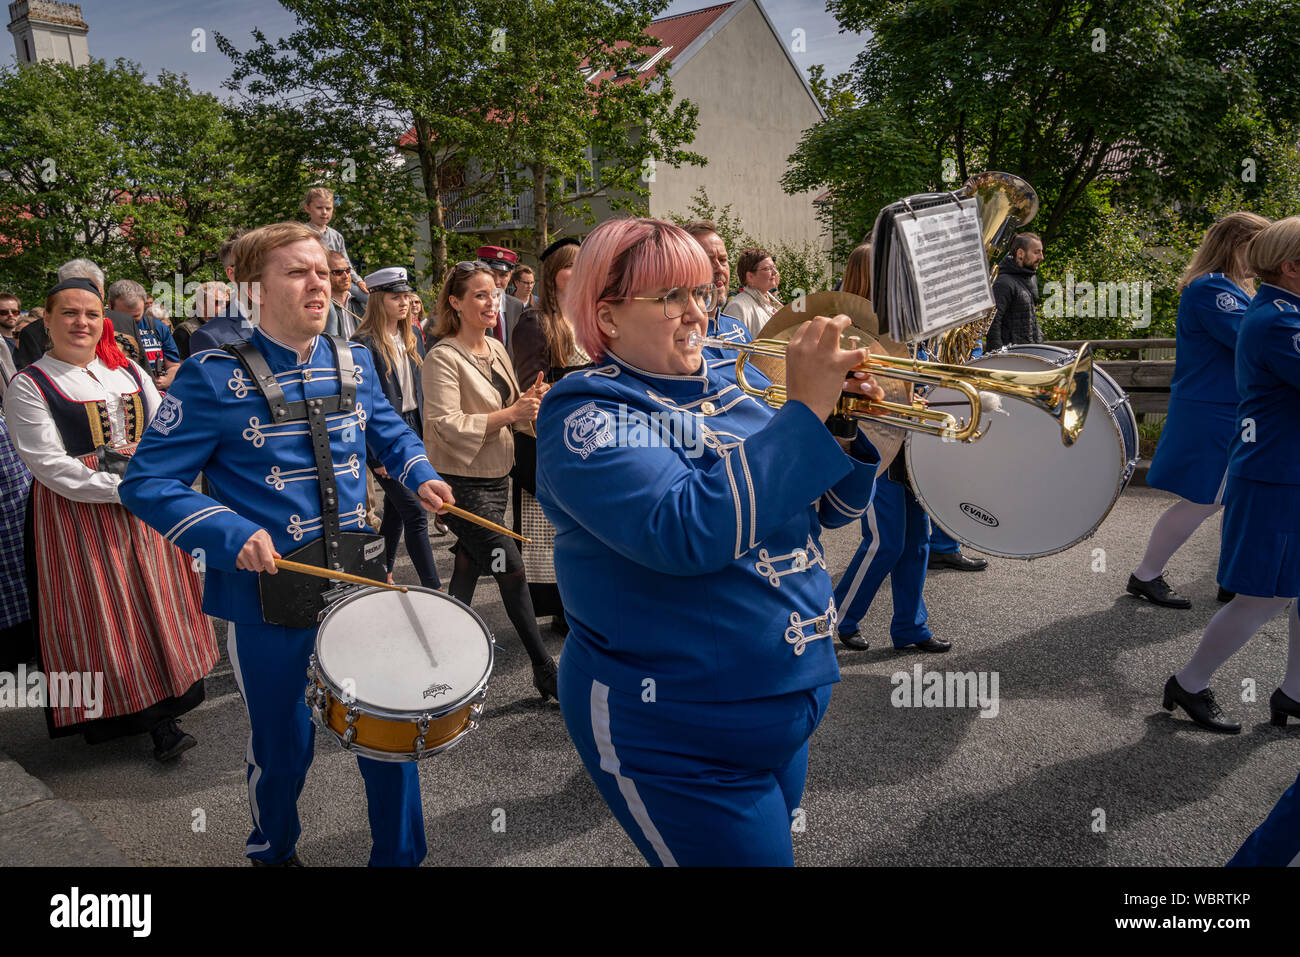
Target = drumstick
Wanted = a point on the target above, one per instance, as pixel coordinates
(471, 517)
(318, 572)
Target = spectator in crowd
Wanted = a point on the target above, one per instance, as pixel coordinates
(501, 262)
(346, 308)
(211, 300)
(11, 309)
(234, 323)
(756, 301)
(545, 343)
(37, 314)
(398, 353)
(1015, 295)
(34, 339)
(472, 407)
(318, 204)
(112, 597)
(522, 281)
(126, 307)
(16, 635)
(705, 232)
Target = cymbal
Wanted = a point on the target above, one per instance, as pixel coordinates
(786, 320)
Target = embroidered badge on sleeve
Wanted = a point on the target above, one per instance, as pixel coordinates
(587, 429)
(168, 415)
(1227, 302)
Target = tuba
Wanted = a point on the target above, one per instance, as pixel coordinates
(1007, 204)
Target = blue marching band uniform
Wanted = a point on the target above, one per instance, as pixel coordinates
(262, 474)
(701, 649)
(1260, 553)
(1191, 459)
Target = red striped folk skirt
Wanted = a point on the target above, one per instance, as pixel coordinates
(116, 599)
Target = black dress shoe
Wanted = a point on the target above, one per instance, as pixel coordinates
(169, 741)
(1225, 595)
(853, 639)
(932, 645)
(1281, 705)
(1157, 591)
(546, 680)
(1200, 707)
(293, 860)
(958, 561)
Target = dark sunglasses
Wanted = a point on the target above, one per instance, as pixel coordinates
(470, 266)
(339, 272)
(10, 312)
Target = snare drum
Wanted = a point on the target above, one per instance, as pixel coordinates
(1018, 492)
(399, 676)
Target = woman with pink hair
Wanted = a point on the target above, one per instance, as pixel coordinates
(688, 555)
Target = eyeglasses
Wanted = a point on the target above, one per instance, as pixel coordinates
(676, 301)
(339, 272)
(10, 312)
(471, 266)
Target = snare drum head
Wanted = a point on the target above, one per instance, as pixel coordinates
(1018, 492)
(418, 651)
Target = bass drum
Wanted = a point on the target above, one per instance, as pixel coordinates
(1018, 492)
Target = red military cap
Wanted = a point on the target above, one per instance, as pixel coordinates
(498, 257)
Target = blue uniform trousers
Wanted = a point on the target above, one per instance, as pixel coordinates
(895, 542)
(696, 784)
(270, 665)
(941, 543)
(1276, 842)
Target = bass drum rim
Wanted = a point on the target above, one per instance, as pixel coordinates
(1123, 477)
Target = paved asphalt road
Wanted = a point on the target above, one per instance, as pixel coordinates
(1079, 734)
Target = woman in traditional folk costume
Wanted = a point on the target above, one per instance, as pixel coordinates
(113, 599)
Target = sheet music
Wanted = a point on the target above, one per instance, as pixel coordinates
(944, 257)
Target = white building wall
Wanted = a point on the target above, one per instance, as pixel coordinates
(753, 110)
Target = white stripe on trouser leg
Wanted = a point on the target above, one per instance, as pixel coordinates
(609, 762)
(1223, 485)
(866, 561)
(232, 649)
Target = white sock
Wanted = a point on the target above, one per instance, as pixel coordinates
(1291, 683)
(1172, 529)
(1227, 631)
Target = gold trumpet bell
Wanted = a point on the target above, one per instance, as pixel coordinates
(1063, 393)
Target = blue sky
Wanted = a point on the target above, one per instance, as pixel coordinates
(158, 34)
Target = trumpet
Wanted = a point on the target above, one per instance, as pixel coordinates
(1064, 394)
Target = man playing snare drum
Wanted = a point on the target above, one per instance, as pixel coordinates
(281, 426)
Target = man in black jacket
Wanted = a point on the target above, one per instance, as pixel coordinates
(1015, 293)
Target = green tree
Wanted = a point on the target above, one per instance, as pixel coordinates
(143, 178)
(573, 117)
(291, 148)
(1161, 96)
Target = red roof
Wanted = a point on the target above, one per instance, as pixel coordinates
(674, 33)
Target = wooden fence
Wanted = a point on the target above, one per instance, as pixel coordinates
(1144, 374)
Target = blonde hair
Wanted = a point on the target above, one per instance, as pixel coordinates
(454, 283)
(857, 272)
(251, 248)
(375, 324)
(1224, 249)
(1272, 246)
(318, 192)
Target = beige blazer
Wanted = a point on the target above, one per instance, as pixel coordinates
(458, 397)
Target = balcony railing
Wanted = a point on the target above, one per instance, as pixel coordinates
(460, 215)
